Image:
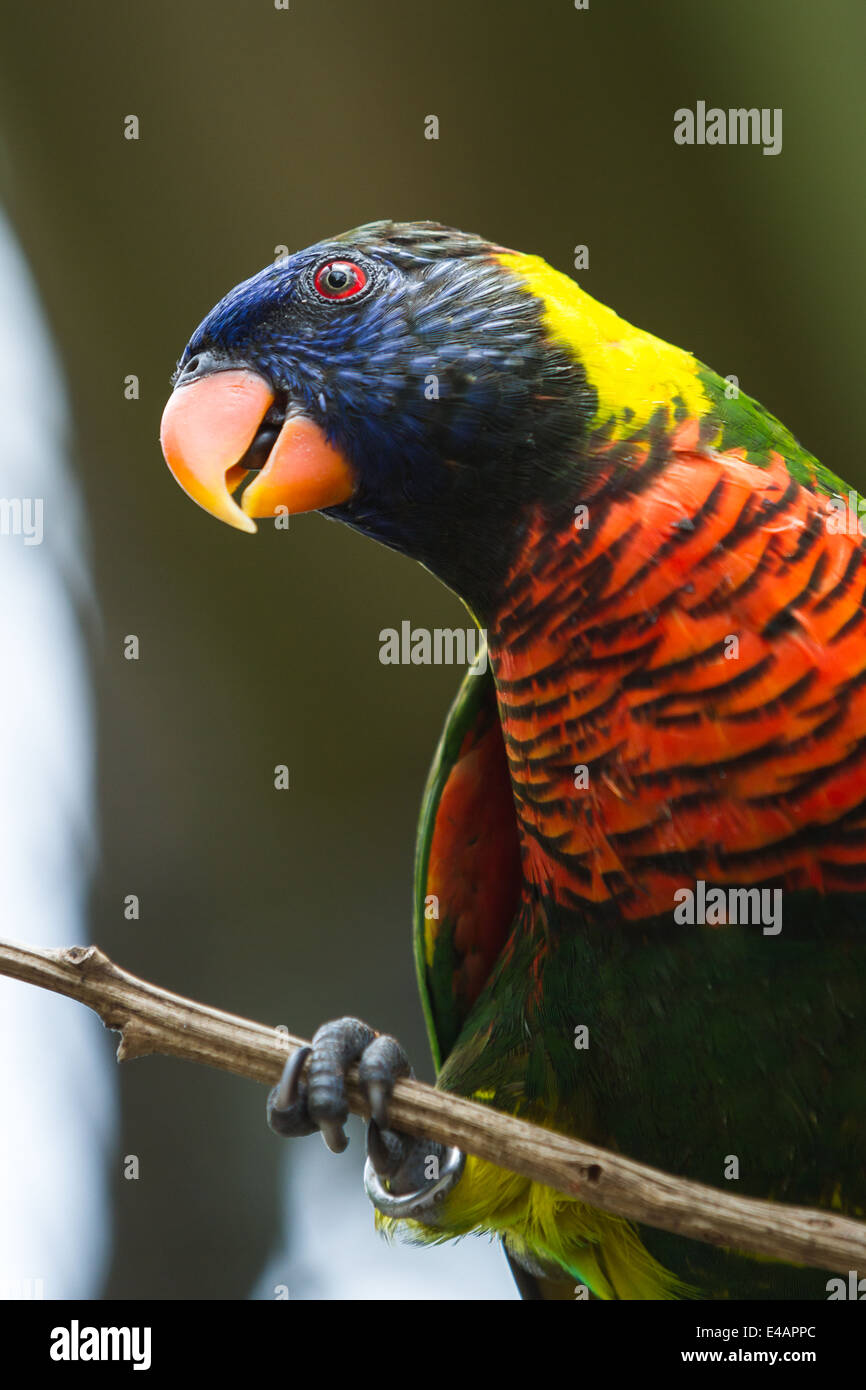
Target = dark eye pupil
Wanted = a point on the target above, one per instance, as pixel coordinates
(339, 279)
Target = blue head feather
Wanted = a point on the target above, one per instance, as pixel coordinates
(428, 380)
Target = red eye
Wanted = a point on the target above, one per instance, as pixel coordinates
(339, 279)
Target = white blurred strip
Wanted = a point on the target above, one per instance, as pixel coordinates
(56, 1086)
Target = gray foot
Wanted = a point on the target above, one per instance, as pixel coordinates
(405, 1177)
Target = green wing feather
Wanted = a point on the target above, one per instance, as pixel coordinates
(467, 863)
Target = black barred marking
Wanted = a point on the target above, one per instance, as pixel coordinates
(680, 537)
(809, 836)
(555, 805)
(524, 747)
(841, 693)
(851, 625)
(777, 705)
(602, 913)
(669, 721)
(853, 819)
(593, 579)
(734, 685)
(634, 625)
(656, 675)
(815, 777)
(761, 512)
(783, 621)
(525, 623)
(815, 578)
(841, 587)
(742, 528)
(675, 863)
(580, 662)
(535, 707)
(558, 770)
(588, 721)
(820, 731)
(559, 599)
(703, 772)
(772, 507)
(809, 537)
(551, 848)
(788, 616)
(520, 583)
(613, 660)
(576, 692)
(616, 883)
(724, 593)
(632, 839)
(624, 478)
(544, 676)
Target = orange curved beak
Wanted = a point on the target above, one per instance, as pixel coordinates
(208, 426)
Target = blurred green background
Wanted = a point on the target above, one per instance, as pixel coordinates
(261, 128)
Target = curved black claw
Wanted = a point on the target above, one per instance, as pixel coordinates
(287, 1101)
(386, 1150)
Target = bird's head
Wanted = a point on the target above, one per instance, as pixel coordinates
(399, 377)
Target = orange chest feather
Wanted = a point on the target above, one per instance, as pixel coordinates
(681, 678)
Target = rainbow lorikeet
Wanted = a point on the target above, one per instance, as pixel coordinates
(642, 853)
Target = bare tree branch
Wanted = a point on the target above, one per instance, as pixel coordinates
(152, 1020)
